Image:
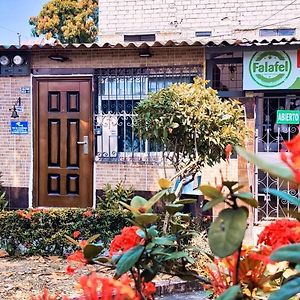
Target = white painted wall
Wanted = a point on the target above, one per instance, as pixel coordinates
(179, 19)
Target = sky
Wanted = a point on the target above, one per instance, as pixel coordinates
(14, 19)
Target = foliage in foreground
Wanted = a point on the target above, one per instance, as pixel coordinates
(191, 122)
(69, 21)
(240, 273)
(42, 232)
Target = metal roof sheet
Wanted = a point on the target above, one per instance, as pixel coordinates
(157, 44)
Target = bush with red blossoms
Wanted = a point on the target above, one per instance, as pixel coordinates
(125, 241)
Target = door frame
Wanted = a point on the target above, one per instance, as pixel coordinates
(35, 132)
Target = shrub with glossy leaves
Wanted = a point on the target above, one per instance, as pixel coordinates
(43, 232)
(192, 122)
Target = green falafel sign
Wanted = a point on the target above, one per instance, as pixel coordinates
(266, 70)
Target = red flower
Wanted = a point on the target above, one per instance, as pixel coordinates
(148, 289)
(280, 233)
(77, 256)
(88, 213)
(293, 161)
(70, 270)
(94, 285)
(75, 261)
(45, 296)
(82, 243)
(125, 241)
(76, 234)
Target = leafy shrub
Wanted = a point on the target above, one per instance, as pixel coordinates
(42, 232)
(3, 200)
(192, 123)
(113, 195)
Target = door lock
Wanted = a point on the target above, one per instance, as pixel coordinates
(85, 144)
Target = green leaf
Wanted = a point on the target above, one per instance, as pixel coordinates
(128, 259)
(226, 233)
(210, 192)
(283, 195)
(182, 216)
(152, 231)
(247, 198)
(93, 238)
(177, 255)
(290, 253)
(138, 202)
(231, 294)
(210, 204)
(278, 170)
(174, 208)
(102, 259)
(155, 199)
(166, 240)
(71, 240)
(134, 210)
(288, 290)
(141, 233)
(185, 201)
(90, 251)
(145, 219)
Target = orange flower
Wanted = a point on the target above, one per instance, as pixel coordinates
(75, 261)
(77, 256)
(24, 214)
(293, 161)
(279, 233)
(76, 234)
(93, 286)
(124, 241)
(148, 289)
(88, 213)
(45, 296)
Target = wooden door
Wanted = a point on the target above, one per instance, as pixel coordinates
(63, 143)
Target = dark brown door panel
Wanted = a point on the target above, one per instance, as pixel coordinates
(63, 173)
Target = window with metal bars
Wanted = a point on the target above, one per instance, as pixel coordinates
(119, 91)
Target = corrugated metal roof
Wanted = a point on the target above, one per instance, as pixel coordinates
(157, 44)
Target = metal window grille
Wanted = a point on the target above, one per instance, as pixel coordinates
(228, 77)
(269, 141)
(119, 91)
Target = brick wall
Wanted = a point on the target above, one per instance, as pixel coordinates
(144, 178)
(15, 150)
(118, 58)
(180, 19)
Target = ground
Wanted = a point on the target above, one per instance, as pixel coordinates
(25, 276)
(22, 277)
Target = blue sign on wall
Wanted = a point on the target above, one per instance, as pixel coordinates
(19, 127)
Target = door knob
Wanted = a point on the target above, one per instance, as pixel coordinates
(85, 144)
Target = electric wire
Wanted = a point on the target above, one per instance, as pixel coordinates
(274, 14)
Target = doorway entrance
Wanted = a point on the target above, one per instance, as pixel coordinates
(63, 142)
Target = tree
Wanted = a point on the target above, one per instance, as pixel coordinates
(69, 21)
(192, 123)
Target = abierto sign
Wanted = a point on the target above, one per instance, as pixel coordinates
(291, 117)
(270, 70)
